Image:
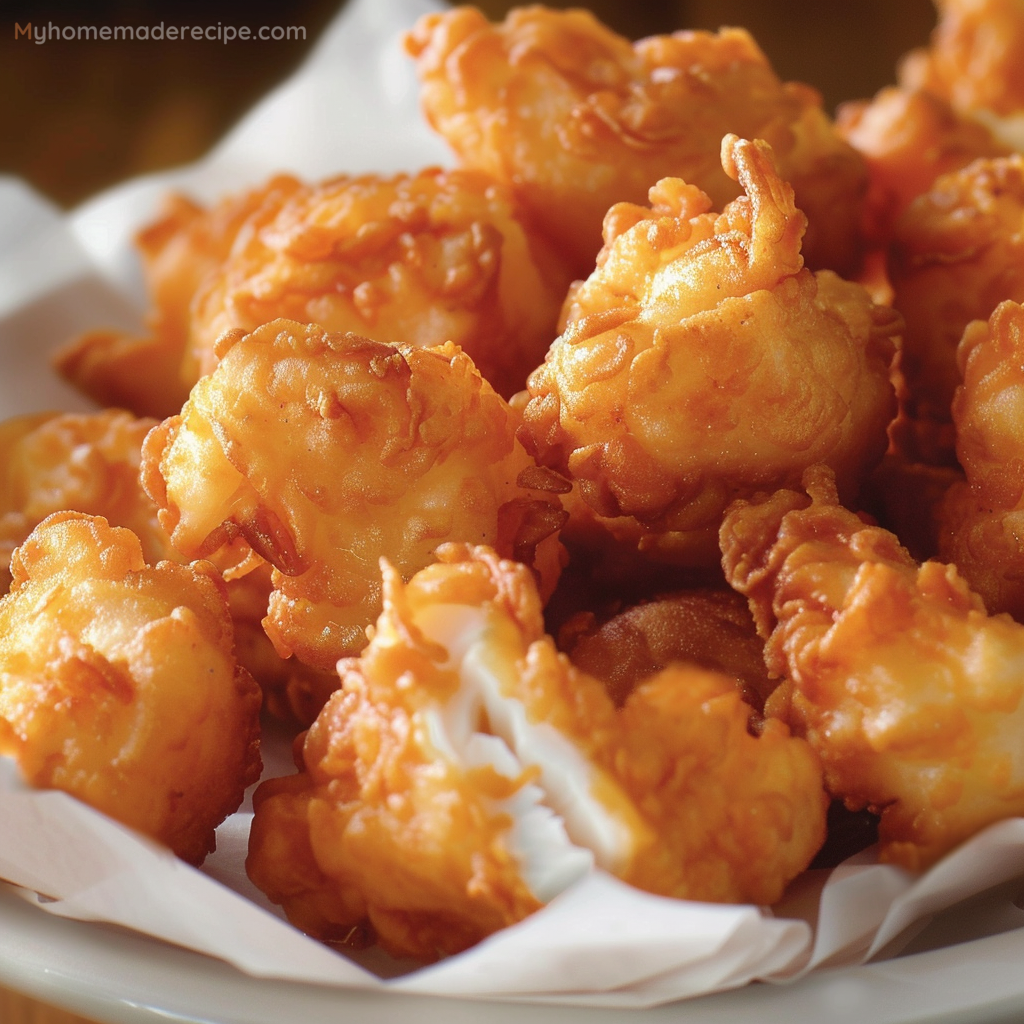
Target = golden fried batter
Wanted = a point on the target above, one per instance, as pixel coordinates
(118, 683)
(702, 361)
(88, 462)
(327, 451)
(906, 688)
(975, 60)
(466, 773)
(576, 118)
(909, 138)
(709, 628)
(982, 518)
(419, 259)
(958, 251)
(152, 375)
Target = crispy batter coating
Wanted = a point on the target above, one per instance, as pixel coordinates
(118, 683)
(982, 517)
(152, 375)
(419, 259)
(975, 58)
(577, 118)
(958, 251)
(907, 689)
(710, 628)
(88, 462)
(466, 773)
(702, 361)
(325, 452)
(908, 138)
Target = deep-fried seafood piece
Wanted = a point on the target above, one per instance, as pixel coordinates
(152, 375)
(702, 361)
(906, 688)
(908, 139)
(958, 251)
(982, 518)
(327, 451)
(418, 259)
(708, 628)
(466, 773)
(975, 60)
(118, 683)
(576, 118)
(88, 462)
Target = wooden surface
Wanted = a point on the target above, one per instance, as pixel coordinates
(18, 1009)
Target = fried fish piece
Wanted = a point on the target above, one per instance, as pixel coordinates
(907, 689)
(957, 252)
(981, 518)
(975, 60)
(908, 138)
(151, 374)
(710, 628)
(88, 462)
(576, 118)
(419, 259)
(326, 451)
(466, 773)
(119, 685)
(702, 361)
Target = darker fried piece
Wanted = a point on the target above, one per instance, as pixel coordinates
(709, 628)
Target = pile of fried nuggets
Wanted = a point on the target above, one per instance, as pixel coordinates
(744, 541)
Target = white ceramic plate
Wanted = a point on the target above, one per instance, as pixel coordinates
(119, 977)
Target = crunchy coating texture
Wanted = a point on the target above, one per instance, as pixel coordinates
(701, 361)
(975, 58)
(906, 688)
(421, 784)
(418, 259)
(957, 252)
(577, 118)
(982, 517)
(710, 628)
(325, 452)
(118, 683)
(91, 462)
(88, 462)
(908, 138)
(152, 375)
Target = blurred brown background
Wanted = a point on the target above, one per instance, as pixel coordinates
(77, 116)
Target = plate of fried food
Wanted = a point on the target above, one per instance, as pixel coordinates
(553, 541)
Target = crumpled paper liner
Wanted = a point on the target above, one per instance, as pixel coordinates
(353, 107)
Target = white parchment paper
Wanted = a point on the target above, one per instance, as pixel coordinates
(354, 107)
